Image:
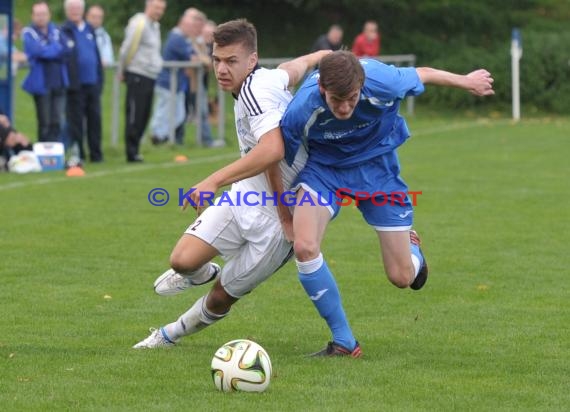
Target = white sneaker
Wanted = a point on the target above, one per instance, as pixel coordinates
(173, 283)
(157, 339)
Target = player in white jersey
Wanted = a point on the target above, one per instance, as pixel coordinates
(253, 237)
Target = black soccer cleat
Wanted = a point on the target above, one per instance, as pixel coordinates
(334, 349)
(422, 276)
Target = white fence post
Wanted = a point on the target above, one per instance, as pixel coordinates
(172, 105)
(115, 107)
(516, 54)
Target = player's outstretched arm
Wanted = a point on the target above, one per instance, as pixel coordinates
(478, 82)
(269, 150)
(297, 68)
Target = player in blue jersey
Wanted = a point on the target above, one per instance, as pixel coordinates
(346, 116)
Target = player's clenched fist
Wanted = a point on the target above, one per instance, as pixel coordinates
(482, 83)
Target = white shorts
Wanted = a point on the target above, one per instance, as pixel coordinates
(250, 241)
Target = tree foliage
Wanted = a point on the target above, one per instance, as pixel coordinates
(458, 35)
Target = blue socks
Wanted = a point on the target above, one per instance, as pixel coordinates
(319, 284)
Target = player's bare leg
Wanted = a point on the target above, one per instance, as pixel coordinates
(310, 221)
(218, 300)
(190, 266)
(190, 254)
(403, 267)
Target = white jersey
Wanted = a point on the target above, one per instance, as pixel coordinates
(249, 237)
(261, 102)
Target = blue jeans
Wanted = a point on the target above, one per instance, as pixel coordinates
(161, 116)
(206, 137)
(49, 111)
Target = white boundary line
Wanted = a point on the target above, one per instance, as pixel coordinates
(202, 160)
(126, 169)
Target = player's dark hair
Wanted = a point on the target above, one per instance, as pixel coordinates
(341, 73)
(238, 31)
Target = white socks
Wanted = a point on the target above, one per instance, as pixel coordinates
(310, 266)
(416, 263)
(195, 319)
(202, 275)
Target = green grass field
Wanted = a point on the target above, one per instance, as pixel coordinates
(490, 331)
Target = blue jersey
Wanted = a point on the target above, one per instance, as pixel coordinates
(375, 127)
(176, 48)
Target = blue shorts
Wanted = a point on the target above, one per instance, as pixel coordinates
(374, 186)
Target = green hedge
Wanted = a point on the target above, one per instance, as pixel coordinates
(545, 74)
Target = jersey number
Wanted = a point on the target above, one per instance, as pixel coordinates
(198, 222)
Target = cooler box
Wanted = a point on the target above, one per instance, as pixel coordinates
(51, 155)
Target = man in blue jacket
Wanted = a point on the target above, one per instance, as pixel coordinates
(176, 48)
(47, 78)
(85, 81)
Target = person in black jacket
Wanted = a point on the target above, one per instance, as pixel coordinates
(332, 40)
(11, 141)
(85, 81)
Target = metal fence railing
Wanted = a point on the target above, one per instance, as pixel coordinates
(202, 93)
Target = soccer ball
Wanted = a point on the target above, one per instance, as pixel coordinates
(241, 365)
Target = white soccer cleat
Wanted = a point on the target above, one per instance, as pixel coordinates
(172, 283)
(157, 339)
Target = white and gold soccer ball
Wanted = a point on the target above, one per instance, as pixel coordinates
(241, 365)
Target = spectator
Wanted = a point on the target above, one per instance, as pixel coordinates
(140, 63)
(199, 45)
(11, 142)
(85, 82)
(367, 43)
(332, 40)
(47, 78)
(95, 16)
(178, 49)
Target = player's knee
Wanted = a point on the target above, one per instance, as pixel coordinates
(401, 277)
(181, 263)
(306, 249)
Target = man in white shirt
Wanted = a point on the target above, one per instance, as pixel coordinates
(140, 63)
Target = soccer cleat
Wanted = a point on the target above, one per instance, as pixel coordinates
(156, 339)
(74, 161)
(173, 283)
(422, 276)
(334, 349)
